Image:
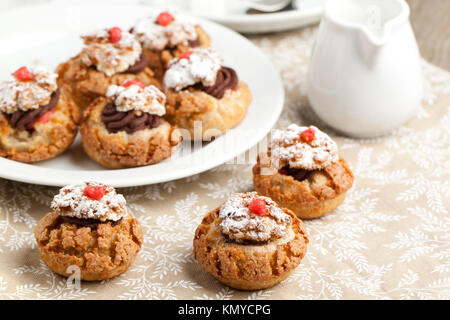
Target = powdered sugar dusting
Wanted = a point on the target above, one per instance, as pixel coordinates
(27, 95)
(72, 202)
(240, 224)
(110, 58)
(287, 148)
(150, 99)
(180, 32)
(156, 37)
(202, 66)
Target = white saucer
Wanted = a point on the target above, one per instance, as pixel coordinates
(232, 13)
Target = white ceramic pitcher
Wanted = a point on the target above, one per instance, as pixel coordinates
(364, 77)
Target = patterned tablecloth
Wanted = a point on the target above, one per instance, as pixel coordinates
(389, 239)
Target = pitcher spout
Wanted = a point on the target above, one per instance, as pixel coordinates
(370, 48)
(372, 21)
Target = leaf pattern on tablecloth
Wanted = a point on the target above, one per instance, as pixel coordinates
(388, 240)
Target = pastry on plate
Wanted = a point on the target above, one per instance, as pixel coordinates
(90, 230)
(249, 242)
(204, 97)
(166, 34)
(302, 171)
(110, 56)
(126, 129)
(38, 121)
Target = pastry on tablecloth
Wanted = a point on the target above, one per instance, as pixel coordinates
(126, 128)
(89, 228)
(108, 57)
(166, 34)
(38, 121)
(203, 96)
(249, 242)
(303, 172)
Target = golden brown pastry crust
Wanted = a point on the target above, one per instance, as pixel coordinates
(84, 84)
(158, 60)
(311, 198)
(216, 115)
(123, 150)
(248, 267)
(48, 139)
(100, 254)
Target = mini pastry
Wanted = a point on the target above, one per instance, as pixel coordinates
(38, 121)
(109, 57)
(250, 243)
(203, 96)
(89, 228)
(303, 172)
(166, 34)
(126, 128)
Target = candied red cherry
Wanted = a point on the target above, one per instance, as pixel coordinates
(128, 83)
(164, 18)
(258, 206)
(115, 33)
(308, 135)
(46, 117)
(185, 55)
(23, 74)
(95, 192)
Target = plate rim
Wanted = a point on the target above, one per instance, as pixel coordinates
(10, 169)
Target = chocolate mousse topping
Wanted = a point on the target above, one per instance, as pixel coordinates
(297, 174)
(194, 43)
(24, 120)
(139, 66)
(89, 223)
(129, 121)
(226, 79)
(246, 241)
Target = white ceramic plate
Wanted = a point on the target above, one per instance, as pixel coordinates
(49, 34)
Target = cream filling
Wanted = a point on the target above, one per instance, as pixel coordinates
(220, 241)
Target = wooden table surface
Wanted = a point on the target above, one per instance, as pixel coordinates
(431, 24)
